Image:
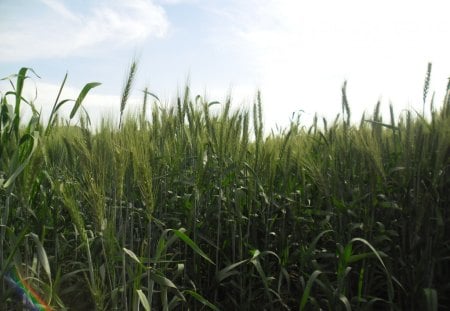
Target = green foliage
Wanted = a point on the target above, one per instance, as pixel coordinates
(332, 217)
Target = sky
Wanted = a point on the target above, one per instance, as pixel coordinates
(297, 53)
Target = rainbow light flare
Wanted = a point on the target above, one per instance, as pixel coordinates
(31, 300)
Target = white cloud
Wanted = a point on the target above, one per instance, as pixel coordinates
(59, 8)
(302, 51)
(174, 2)
(106, 25)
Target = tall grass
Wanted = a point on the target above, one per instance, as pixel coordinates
(191, 209)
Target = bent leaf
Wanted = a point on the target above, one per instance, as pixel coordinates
(81, 97)
(192, 244)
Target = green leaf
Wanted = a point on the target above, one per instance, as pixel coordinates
(143, 300)
(151, 94)
(132, 255)
(359, 257)
(312, 246)
(191, 244)
(229, 271)
(42, 255)
(161, 280)
(308, 287)
(56, 105)
(213, 103)
(260, 270)
(389, 126)
(431, 298)
(21, 76)
(346, 303)
(378, 255)
(347, 252)
(255, 261)
(201, 299)
(81, 97)
(16, 242)
(21, 167)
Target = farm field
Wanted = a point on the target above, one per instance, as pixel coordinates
(191, 206)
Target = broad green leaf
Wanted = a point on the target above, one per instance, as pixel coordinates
(255, 261)
(255, 253)
(377, 254)
(201, 299)
(17, 242)
(346, 303)
(229, 270)
(308, 287)
(22, 166)
(81, 97)
(42, 255)
(161, 280)
(431, 298)
(143, 300)
(21, 76)
(347, 252)
(358, 257)
(191, 244)
(132, 255)
(312, 246)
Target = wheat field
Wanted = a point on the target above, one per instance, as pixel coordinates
(191, 206)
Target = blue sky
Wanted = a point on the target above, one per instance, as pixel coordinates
(298, 53)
